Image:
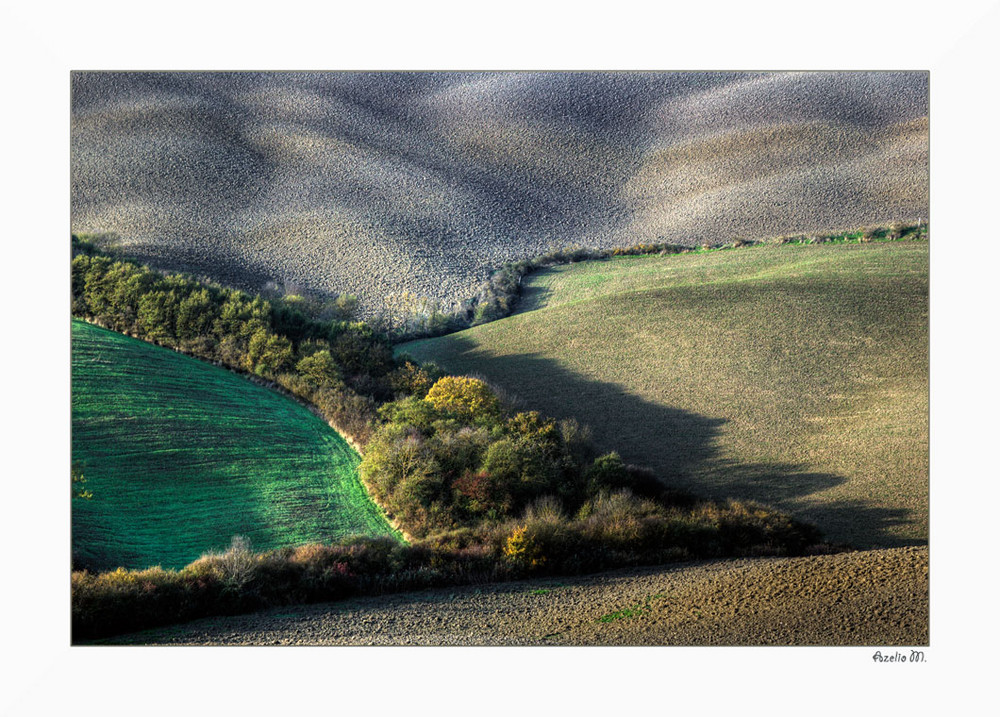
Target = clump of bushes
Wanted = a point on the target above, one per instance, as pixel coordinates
(458, 456)
(487, 494)
(622, 529)
(405, 314)
(458, 460)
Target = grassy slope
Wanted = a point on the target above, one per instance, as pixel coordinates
(793, 375)
(182, 455)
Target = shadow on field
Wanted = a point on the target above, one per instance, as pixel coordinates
(680, 446)
(533, 296)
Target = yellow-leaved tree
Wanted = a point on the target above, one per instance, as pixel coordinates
(464, 396)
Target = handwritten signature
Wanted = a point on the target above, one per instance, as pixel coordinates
(914, 656)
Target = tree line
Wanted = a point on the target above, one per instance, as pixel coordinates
(343, 368)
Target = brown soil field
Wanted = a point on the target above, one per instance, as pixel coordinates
(380, 183)
(877, 598)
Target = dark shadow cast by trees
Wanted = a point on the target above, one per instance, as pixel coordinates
(681, 447)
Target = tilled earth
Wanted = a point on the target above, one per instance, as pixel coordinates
(385, 183)
(878, 597)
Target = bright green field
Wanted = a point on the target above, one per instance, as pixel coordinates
(793, 375)
(181, 456)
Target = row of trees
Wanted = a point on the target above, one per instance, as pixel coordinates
(343, 368)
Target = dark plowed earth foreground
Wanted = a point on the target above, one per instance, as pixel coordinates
(378, 183)
(877, 597)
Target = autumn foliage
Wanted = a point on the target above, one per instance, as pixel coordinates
(465, 397)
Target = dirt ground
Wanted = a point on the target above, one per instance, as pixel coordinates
(877, 597)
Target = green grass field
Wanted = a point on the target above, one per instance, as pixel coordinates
(182, 455)
(793, 375)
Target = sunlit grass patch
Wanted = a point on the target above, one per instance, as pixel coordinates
(180, 456)
(637, 610)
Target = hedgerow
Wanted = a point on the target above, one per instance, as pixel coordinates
(611, 531)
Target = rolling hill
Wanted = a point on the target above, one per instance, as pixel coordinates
(793, 375)
(181, 455)
(379, 183)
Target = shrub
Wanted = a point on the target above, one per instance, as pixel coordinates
(411, 411)
(896, 230)
(530, 426)
(195, 315)
(320, 368)
(489, 311)
(411, 379)
(547, 509)
(615, 518)
(345, 306)
(323, 572)
(522, 550)
(235, 568)
(607, 473)
(577, 440)
(506, 463)
(459, 449)
(352, 414)
(465, 397)
(396, 452)
(358, 349)
(477, 495)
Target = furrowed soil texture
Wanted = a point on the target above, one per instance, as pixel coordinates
(792, 375)
(877, 597)
(181, 455)
(381, 183)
